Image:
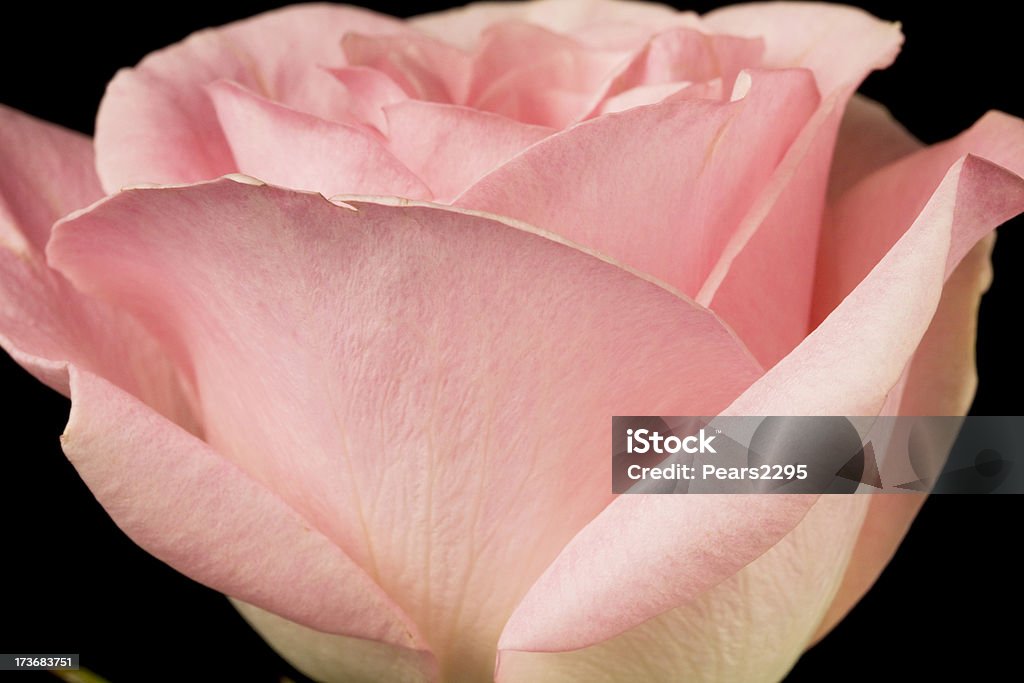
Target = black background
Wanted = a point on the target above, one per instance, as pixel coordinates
(71, 582)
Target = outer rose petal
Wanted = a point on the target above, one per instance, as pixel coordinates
(665, 201)
(45, 173)
(846, 367)
(290, 148)
(941, 381)
(833, 41)
(156, 123)
(751, 627)
(613, 22)
(338, 659)
(193, 509)
(890, 310)
(866, 220)
(419, 359)
(869, 138)
(684, 544)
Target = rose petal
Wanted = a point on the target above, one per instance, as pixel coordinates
(417, 358)
(605, 21)
(746, 285)
(156, 123)
(338, 659)
(191, 508)
(452, 147)
(45, 173)
(371, 91)
(869, 138)
(663, 202)
(556, 107)
(290, 148)
(751, 627)
(941, 381)
(685, 54)
(890, 310)
(868, 219)
(517, 63)
(687, 544)
(652, 94)
(424, 68)
(833, 41)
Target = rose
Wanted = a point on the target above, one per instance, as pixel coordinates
(82, 242)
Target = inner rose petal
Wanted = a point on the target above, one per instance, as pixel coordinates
(687, 55)
(424, 68)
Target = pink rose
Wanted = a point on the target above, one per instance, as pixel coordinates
(380, 422)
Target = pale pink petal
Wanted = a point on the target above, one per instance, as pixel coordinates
(424, 68)
(833, 41)
(652, 94)
(855, 357)
(942, 378)
(685, 54)
(750, 627)
(685, 545)
(371, 91)
(290, 148)
(688, 544)
(941, 381)
(156, 123)
(869, 138)
(329, 658)
(664, 201)
(45, 173)
(515, 97)
(862, 224)
(508, 45)
(515, 61)
(452, 147)
(621, 36)
(606, 22)
(768, 305)
(419, 360)
(193, 509)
